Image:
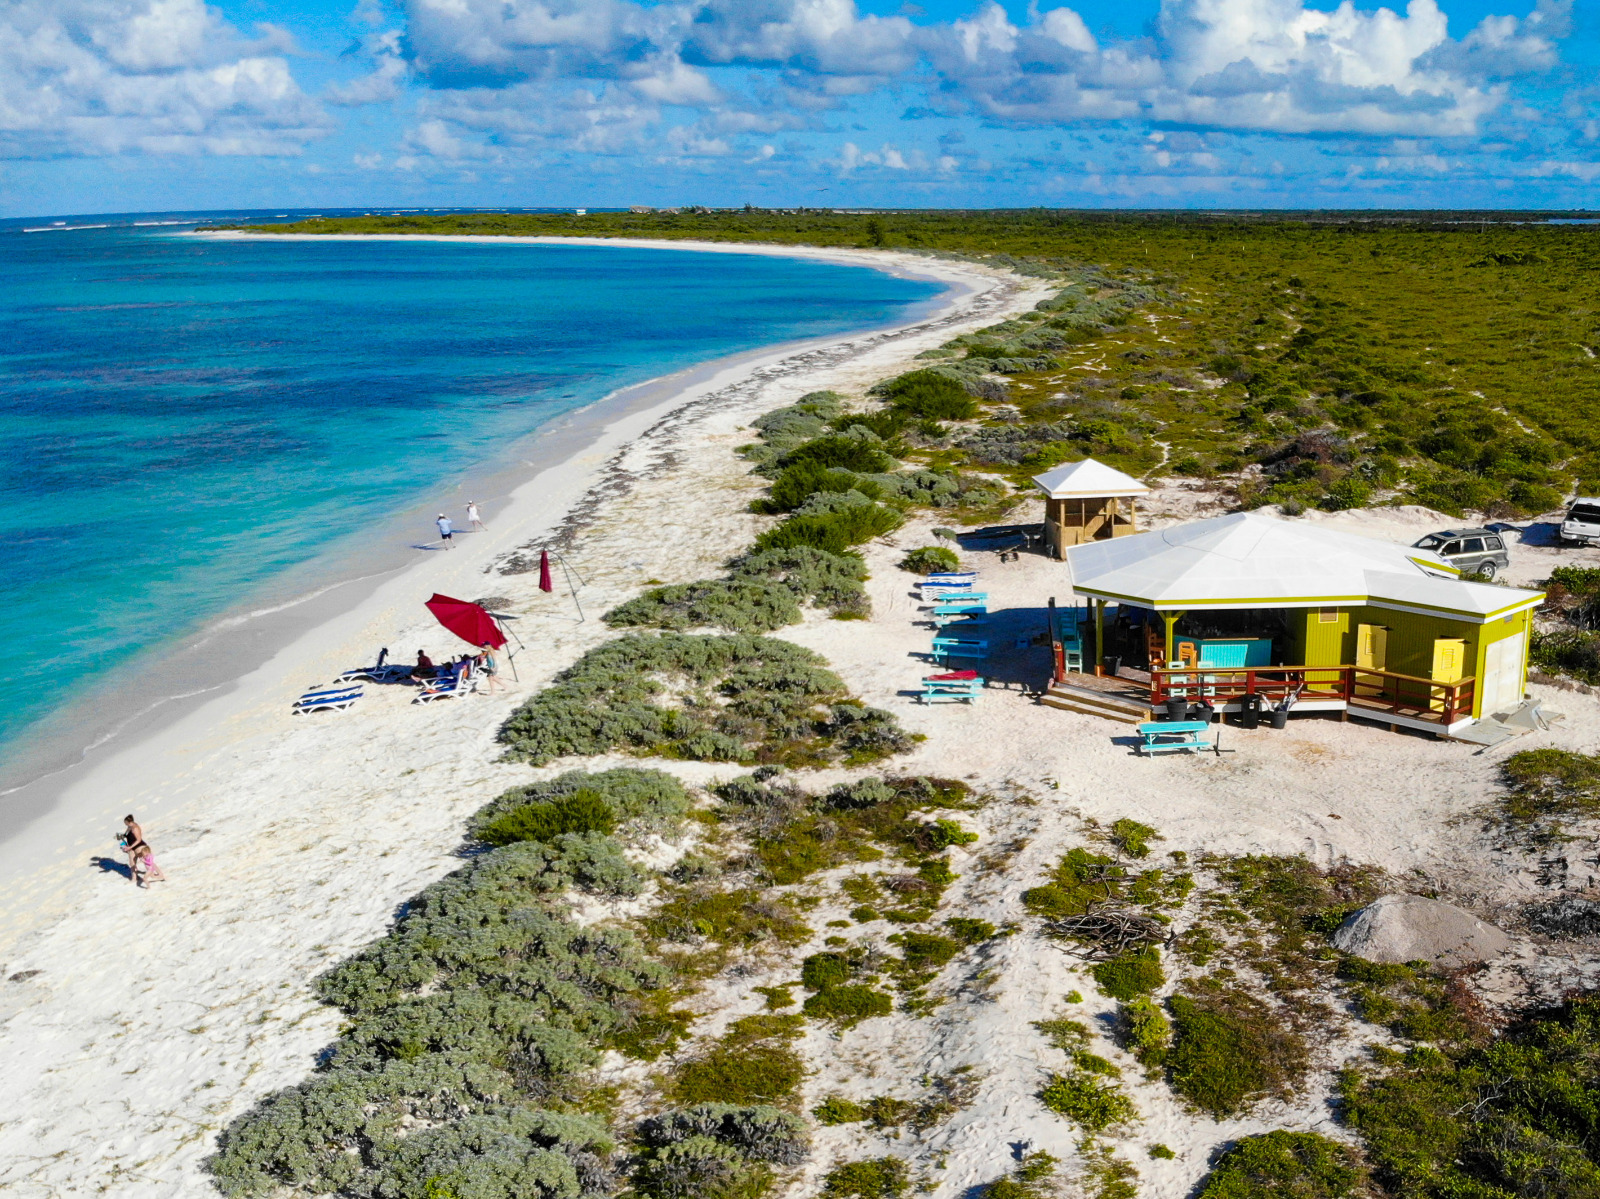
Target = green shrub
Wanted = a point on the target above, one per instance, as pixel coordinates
(733, 605)
(1146, 1032)
(642, 800)
(929, 559)
(1132, 837)
(741, 918)
(927, 952)
(1092, 1103)
(1546, 788)
(581, 812)
(754, 1062)
(823, 970)
(1130, 974)
(847, 1006)
(945, 833)
(774, 690)
(1163, 1152)
(836, 1109)
(969, 931)
(832, 532)
(797, 483)
(876, 1178)
(1229, 1050)
(1286, 1165)
(930, 395)
(857, 454)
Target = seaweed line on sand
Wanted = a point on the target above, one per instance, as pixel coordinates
(616, 478)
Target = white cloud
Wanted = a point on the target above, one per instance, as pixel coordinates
(96, 77)
(383, 82)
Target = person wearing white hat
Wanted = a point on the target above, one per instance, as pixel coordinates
(474, 519)
(446, 530)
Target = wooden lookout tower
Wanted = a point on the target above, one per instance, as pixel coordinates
(1087, 501)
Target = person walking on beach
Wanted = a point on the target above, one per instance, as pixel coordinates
(474, 519)
(446, 530)
(132, 844)
(490, 671)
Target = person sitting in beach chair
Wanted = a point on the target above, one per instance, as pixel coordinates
(424, 669)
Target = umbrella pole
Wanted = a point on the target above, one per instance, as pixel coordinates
(567, 571)
(511, 657)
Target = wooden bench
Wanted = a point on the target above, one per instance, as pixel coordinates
(1165, 736)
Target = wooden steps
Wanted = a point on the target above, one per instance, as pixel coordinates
(1111, 705)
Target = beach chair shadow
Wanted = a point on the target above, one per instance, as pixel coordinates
(111, 866)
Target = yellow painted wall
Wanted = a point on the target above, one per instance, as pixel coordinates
(1411, 638)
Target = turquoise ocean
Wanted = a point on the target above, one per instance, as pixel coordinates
(194, 426)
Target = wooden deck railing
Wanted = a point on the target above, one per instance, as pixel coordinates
(1373, 690)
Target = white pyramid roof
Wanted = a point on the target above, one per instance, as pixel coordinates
(1246, 560)
(1087, 479)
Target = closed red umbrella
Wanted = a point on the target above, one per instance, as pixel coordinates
(467, 621)
(545, 582)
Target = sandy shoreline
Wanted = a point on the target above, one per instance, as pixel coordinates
(291, 841)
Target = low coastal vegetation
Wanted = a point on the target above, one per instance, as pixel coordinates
(1312, 361)
(736, 698)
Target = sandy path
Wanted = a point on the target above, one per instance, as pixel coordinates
(139, 1022)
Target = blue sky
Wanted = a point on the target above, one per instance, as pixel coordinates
(140, 105)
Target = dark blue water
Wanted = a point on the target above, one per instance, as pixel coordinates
(185, 420)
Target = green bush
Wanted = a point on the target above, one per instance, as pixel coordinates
(929, 559)
(1286, 1165)
(876, 1178)
(1229, 1050)
(1093, 1103)
(823, 970)
(836, 1109)
(1130, 974)
(753, 1062)
(832, 532)
(639, 800)
(764, 591)
(848, 1005)
(1146, 1032)
(581, 812)
(860, 455)
(930, 395)
(1508, 1116)
(1546, 788)
(969, 931)
(1133, 838)
(774, 695)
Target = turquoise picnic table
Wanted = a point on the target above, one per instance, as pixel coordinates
(1168, 736)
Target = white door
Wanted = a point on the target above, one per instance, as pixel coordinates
(1502, 674)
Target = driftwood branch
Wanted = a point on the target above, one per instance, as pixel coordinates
(1105, 933)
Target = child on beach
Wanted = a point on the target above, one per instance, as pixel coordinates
(474, 519)
(147, 872)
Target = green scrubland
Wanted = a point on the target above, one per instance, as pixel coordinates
(1444, 359)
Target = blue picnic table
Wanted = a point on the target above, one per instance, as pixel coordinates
(1166, 736)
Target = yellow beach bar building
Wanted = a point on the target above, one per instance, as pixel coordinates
(1248, 605)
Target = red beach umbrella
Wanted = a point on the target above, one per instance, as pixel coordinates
(467, 621)
(545, 582)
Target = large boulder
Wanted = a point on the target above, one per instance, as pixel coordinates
(1409, 928)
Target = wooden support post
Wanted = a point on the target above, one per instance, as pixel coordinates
(1170, 619)
(1099, 638)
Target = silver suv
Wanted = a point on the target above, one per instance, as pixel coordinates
(1477, 552)
(1582, 523)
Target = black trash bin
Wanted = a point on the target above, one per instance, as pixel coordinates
(1250, 711)
(1280, 718)
(1201, 711)
(1111, 665)
(1177, 708)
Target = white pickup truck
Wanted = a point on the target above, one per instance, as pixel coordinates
(1582, 523)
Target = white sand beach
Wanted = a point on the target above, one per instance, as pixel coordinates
(139, 1023)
